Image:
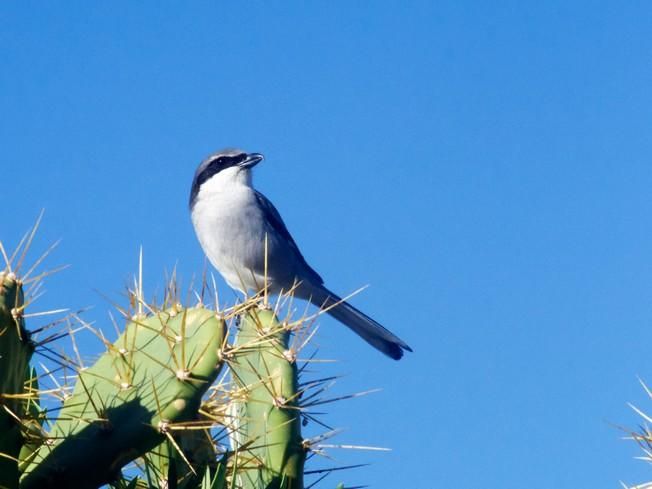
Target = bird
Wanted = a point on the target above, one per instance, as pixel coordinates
(237, 226)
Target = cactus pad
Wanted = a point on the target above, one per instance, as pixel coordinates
(267, 434)
(128, 402)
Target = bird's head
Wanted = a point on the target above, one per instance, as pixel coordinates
(223, 169)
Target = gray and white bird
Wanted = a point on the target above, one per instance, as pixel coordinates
(232, 221)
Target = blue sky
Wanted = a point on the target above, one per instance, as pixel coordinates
(484, 167)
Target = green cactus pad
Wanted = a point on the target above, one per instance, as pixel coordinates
(267, 436)
(153, 376)
(15, 352)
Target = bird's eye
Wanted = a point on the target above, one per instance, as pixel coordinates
(217, 164)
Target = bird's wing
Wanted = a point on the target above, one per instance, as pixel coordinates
(273, 217)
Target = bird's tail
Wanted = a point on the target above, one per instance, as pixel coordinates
(369, 330)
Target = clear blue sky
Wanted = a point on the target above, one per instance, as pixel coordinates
(484, 167)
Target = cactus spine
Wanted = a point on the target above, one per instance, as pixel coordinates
(267, 431)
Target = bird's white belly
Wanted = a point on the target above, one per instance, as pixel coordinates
(231, 231)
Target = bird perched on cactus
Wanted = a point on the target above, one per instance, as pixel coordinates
(246, 240)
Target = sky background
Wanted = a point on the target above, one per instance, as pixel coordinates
(484, 167)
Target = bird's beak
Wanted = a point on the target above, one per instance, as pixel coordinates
(252, 160)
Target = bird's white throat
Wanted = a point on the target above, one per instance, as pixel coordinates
(225, 181)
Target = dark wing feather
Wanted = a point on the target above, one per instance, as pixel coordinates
(274, 218)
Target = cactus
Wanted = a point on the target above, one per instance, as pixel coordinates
(15, 352)
(147, 399)
(126, 404)
(267, 426)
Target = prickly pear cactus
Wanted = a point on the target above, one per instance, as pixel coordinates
(267, 426)
(152, 397)
(146, 383)
(15, 352)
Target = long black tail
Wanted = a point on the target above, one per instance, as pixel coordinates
(369, 330)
